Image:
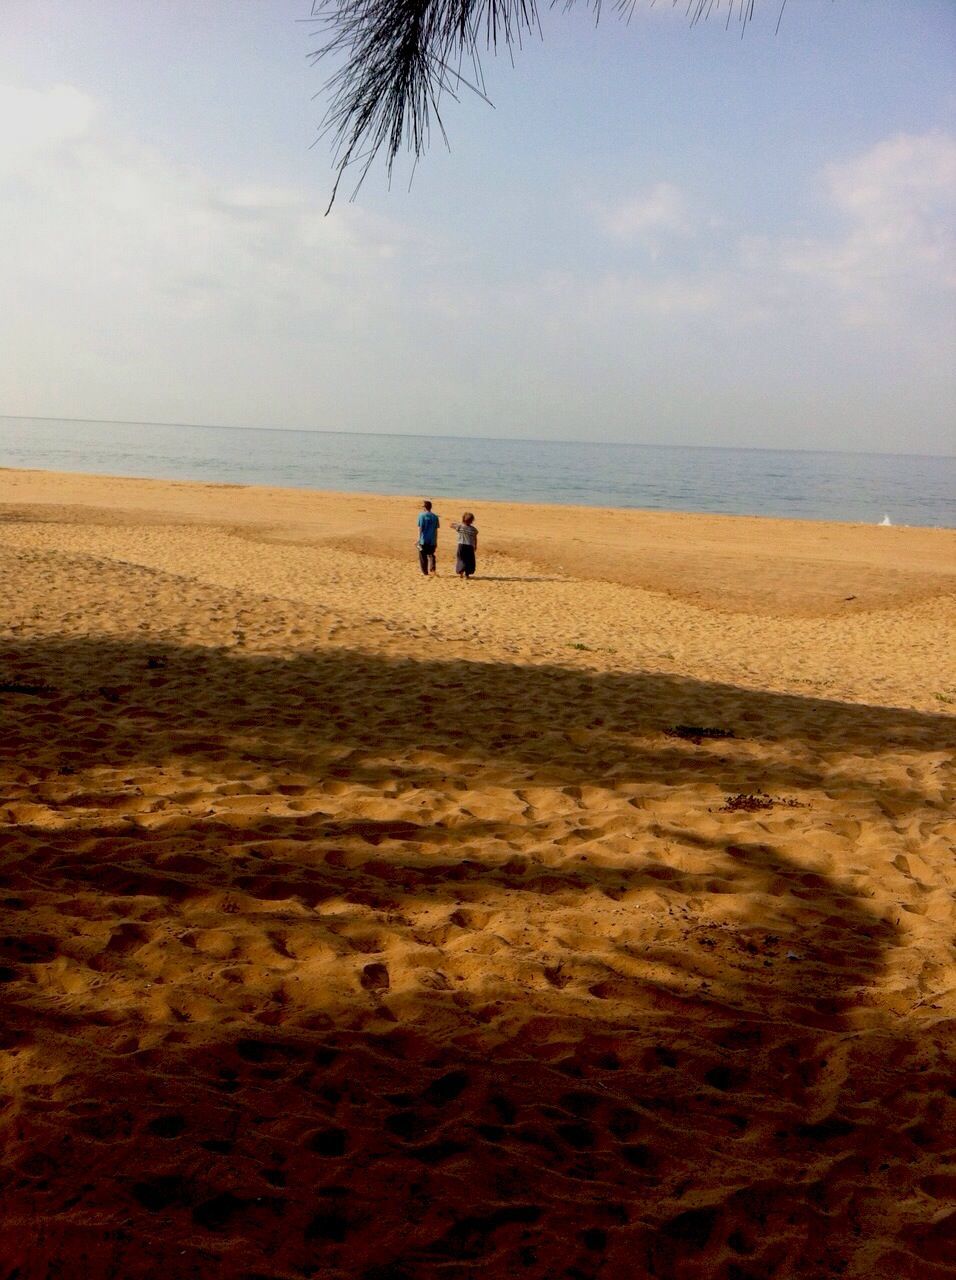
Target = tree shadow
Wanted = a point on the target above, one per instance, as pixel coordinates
(248, 1031)
(106, 701)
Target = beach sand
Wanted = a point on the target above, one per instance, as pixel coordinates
(358, 925)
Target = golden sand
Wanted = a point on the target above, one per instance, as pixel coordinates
(361, 925)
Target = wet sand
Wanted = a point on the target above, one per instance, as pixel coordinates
(354, 924)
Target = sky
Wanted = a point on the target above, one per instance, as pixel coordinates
(659, 232)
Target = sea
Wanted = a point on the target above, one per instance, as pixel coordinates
(864, 488)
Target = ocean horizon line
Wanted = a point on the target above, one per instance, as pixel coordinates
(413, 435)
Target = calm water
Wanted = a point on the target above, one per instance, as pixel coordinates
(808, 486)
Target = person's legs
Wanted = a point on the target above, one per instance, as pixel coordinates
(426, 557)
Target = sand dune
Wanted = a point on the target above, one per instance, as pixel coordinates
(358, 925)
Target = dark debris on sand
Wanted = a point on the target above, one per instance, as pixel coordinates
(696, 733)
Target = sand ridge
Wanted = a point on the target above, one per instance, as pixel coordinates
(361, 925)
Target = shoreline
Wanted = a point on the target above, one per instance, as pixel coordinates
(521, 504)
(737, 483)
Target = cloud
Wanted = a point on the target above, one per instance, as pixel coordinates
(648, 218)
(97, 210)
(890, 260)
(34, 120)
(897, 248)
(846, 335)
(868, 302)
(148, 288)
(669, 297)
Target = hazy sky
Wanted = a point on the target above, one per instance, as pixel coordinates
(660, 233)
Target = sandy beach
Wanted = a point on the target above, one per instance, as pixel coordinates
(589, 920)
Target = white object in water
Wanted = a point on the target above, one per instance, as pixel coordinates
(886, 520)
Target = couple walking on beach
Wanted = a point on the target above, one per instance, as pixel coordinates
(467, 530)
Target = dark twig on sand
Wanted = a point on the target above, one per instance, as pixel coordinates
(753, 801)
(696, 732)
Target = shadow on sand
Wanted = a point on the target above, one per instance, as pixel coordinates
(729, 1115)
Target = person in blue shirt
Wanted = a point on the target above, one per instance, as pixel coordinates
(428, 525)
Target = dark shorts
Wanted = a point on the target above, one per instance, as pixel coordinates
(465, 563)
